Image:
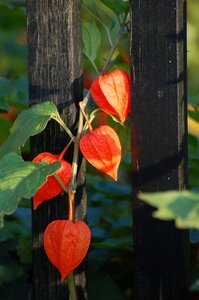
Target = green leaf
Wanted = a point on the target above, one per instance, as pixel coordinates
(24, 250)
(100, 12)
(102, 287)
(91, 40)
(115, 119)
(28, 123)
(118, 6)
(14, 91)
(12, 4)
(114, 243)
(5, 125)
(4, 106)
(109, 188)
(195, 286)
(194, 115)
(4, 86)
(94, 113)
(20, 179)
(124, 133)
(182, 207)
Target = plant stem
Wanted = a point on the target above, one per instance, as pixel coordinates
(71, 194)
(86, 118)
(71, 286)
(61, 122)
(83, 104)
(115, 44)
(60, 182)
(72, 189)
(71, 205)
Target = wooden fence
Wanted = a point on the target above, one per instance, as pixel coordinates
(159, 143)
(159, 139)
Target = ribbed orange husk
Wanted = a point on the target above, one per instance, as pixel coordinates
(51, 188)
(66, 244)
(102, 149)
(112, 93)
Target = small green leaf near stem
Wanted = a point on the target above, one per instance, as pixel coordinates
(61, 122)
(102, 23)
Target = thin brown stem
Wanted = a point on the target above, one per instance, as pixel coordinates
(71, 205)
(115, 44)
(72, 189)
(86, 118)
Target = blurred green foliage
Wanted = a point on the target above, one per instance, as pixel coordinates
(193, 50)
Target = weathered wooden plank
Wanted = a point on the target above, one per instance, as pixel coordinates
(55, 73)
(159, 143)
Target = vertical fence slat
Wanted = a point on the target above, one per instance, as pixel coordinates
(159, 138)
(55, 73)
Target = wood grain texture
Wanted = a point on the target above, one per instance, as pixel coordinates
(159, 143)
(55, 73)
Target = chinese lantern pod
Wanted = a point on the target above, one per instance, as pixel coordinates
(102, 149)
(111, 92)
(66, 244)
(51, 188)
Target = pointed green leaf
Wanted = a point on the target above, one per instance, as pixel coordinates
(4, 106)
(114, 243)
(118, 6)
(14, 91)
(29, 122)
(101, 286)
(182, 207)
(20, 179)
(99, 12)
(91, 40)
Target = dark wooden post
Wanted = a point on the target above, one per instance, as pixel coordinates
(159, 139)
(55, 73)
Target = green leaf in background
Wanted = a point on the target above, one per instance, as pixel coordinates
(18, 288)
(4, 106)
(28, 123)
(99, 12)
(124, 133)
(195, 286)
(91, 40)
(182, 207)
(109, 188)
(24, 250)
(14, 91)
(194, 115)
(5, 126)
(102, 287)
(118, 6)
(114, 243)
(11, 3)
(20, 179)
